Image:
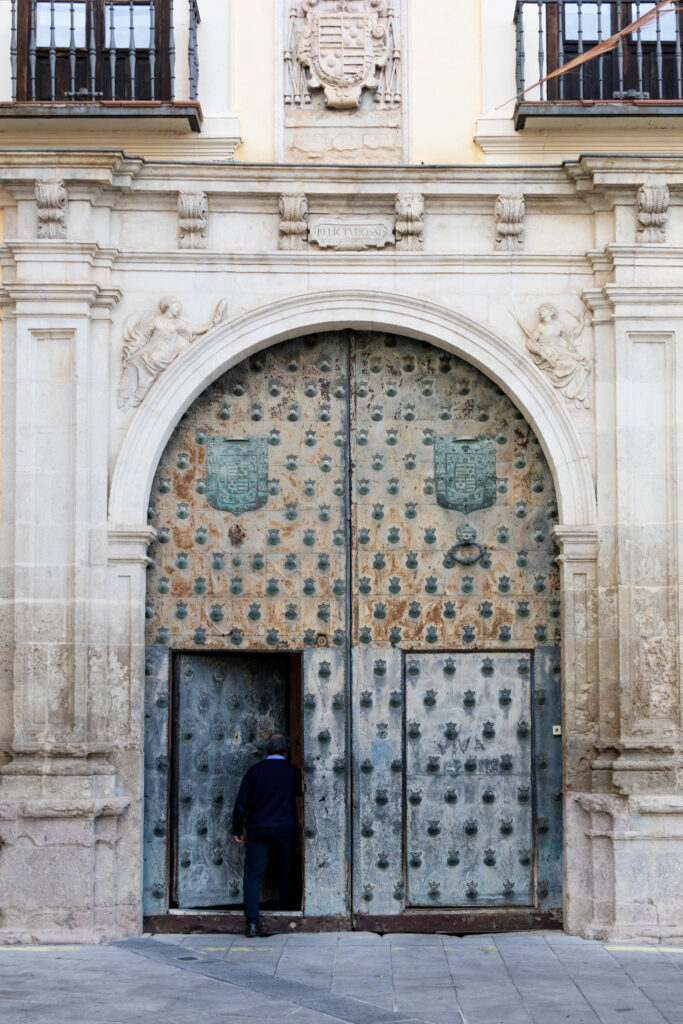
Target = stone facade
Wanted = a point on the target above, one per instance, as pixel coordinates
(131, 287)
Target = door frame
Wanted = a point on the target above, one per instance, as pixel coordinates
(293, 711)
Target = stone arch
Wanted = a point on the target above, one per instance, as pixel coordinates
(235, 340)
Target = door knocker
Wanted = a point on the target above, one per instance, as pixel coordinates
(466, 540)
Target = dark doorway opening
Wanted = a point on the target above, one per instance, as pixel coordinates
(224, 706)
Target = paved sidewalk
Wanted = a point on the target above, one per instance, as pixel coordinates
(359, 978)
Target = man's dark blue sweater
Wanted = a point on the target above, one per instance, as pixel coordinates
(265, 801)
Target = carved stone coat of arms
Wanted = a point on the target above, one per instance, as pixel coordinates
(342, 48)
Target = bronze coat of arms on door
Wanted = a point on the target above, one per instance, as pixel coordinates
(465, 472)
(237, 473)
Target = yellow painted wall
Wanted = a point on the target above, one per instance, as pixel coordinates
(445, 72)
(253, 49)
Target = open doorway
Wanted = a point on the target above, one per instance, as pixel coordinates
(224, 707)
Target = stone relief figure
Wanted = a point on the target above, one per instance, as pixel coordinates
(552, 346)
(152, 341)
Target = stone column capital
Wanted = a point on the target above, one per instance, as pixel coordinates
(576, 543)
(129, 543)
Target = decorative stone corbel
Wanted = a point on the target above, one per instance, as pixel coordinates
(409, 222)
(510, 212)
(51, 200)
(653, 213)
(293, 226)
(193, 220)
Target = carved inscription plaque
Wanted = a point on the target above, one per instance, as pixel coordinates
(465, 472)
(351, 234)
(237, 473)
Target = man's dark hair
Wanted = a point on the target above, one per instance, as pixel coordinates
(278, 743)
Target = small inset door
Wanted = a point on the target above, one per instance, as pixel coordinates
(226, 705)
(468, 780)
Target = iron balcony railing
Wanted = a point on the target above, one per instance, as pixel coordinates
(644, 66)
(93, 50)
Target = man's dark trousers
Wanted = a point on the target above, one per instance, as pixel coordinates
(264, 846)
(266, 803)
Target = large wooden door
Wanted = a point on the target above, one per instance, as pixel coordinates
(381, 506)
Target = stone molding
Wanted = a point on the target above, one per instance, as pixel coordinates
(111, 807)
(64, 758)
(335, 310)
(576, 543)
(129, 544)
(657, 804)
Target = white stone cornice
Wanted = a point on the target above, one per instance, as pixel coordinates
(57, 250)
(112, 167)
(625, 170)
(644, 302)
(384, 178)
(297, 263)
(656, 255)
(51, 297)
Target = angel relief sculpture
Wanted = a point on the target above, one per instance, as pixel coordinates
(152, 341)
(552, 346)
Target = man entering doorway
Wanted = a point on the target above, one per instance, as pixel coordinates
(266, 805)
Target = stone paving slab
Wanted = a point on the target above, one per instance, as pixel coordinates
(359, 978)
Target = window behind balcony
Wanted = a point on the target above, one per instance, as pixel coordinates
(646, 64)
(86, 50)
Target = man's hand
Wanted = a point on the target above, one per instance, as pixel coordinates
(239, 839)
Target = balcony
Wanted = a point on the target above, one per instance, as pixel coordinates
(639, 77)
(101, 59)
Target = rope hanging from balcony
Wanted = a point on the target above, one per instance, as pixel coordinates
(605, 46)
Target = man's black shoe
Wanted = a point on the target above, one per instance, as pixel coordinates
(251, 931)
